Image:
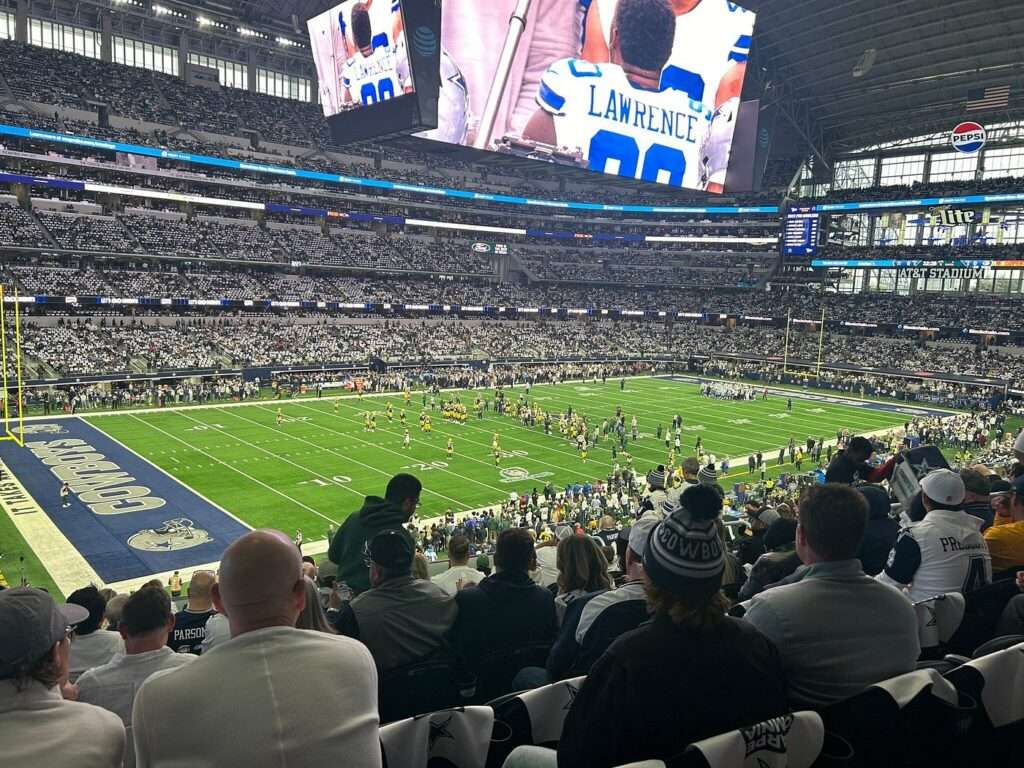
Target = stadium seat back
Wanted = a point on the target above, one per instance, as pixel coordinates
(417, 688)
(496, 672)
(937, 621)
(790, 741)
(982, 610)
(456, 738)
(997, 682)
(997, 644)
(914, 719)
(532, 717)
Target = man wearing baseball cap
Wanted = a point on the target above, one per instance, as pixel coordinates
(944, 552)
(1005, 538)
(38, 726)
(401, 619)
(690, 673)
(1018, 446)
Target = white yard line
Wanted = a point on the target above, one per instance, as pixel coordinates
(240, 472)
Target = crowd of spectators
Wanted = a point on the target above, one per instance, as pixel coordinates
(60, 79)
(113, 345)
(689, 610)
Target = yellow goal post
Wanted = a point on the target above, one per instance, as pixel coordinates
(13, 381)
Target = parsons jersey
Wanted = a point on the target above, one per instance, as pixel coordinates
(709, 39)
(621, 129)
(377, 77)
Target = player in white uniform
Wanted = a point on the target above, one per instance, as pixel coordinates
(616, 114)
(711, 38)
(708, 63)
(376, 72)
(453, 113)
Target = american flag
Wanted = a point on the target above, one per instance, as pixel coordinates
(989, 98)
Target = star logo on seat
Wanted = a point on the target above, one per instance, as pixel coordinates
(572, 690)
(440, 731)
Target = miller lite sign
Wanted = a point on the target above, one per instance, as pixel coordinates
(968, 137)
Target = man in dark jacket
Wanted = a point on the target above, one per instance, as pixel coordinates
(851, 464)
(504, 612)
(348, 547)
(779, 560)
(881, 533)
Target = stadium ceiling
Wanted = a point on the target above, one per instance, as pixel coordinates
(931, 58)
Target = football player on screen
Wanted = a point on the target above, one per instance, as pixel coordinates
(453, 113)
(616, 114)
(375, 73)
(708, 63)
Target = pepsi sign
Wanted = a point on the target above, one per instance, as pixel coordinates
(968, 137)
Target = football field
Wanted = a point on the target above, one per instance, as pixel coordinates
(226, 467)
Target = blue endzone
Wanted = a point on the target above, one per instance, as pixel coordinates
(102, 539)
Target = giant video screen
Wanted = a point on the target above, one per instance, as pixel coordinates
(359, 48)
(646, 89)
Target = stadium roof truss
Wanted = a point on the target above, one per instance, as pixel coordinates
(929, 61)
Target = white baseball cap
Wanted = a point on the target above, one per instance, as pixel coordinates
(640, 532)
(1018, 444)
(944, 486)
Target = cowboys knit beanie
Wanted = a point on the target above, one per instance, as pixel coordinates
(707, 475)
(684, 553)
(656, 478)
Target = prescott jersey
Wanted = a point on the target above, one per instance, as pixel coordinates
(621, 129)
(709, 39)
(378, 77)
(944, 552)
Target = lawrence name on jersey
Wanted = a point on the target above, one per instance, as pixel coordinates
(618, 115)
(620, 128)
(379, 70)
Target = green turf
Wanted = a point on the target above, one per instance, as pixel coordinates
(315, 468)
(13, 546)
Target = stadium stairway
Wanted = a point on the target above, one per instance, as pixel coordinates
(164, 103)
(46, 233)
(128, 234)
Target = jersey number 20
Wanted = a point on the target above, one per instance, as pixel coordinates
(608, 145)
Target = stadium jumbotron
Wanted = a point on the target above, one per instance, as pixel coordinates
(520, 383)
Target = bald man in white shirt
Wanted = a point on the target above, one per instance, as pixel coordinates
(297, 697)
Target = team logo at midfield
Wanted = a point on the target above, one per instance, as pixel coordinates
(519, 474)
(172, 536)
(45, 429)
(968, 137)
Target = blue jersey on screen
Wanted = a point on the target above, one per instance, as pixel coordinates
(621, 129)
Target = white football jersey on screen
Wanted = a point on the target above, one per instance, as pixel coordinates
(374, 78)
(621, 129)
(709, 39)
(453, 105)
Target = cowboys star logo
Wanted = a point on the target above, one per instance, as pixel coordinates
(571, 690)
(440, 731)
(44, 429)
(171, 536)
